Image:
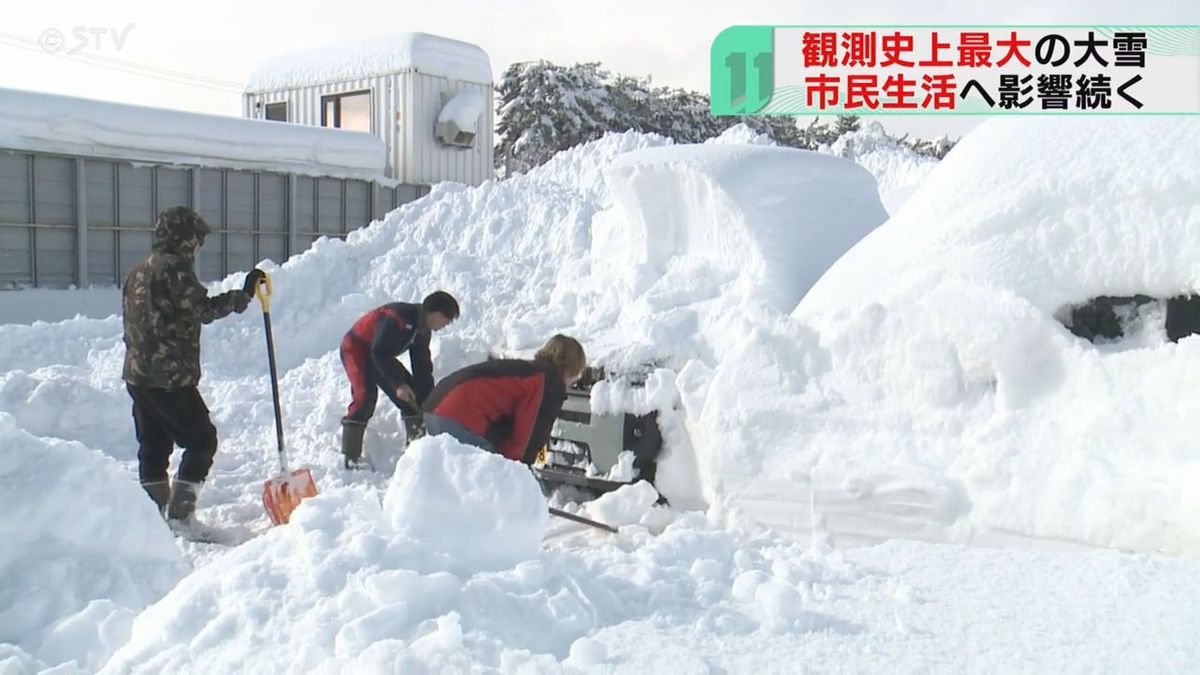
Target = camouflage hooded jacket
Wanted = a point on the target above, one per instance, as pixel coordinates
(164, 305)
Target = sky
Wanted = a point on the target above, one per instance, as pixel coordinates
(197, 56)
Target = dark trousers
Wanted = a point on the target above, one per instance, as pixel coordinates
(436, 425)
(164, 418)
(365, 383)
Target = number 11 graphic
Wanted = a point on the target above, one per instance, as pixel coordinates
(743, 70)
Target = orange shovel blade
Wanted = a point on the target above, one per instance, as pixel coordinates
(282, 494)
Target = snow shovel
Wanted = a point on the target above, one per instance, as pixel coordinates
(283, 493)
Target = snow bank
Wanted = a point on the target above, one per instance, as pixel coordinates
(350, 585)
(922, 389)
(772, 218)
(84, 550)
(941, 389)
(39, 122)
(898, 170)
(337, 590)
(383, 55)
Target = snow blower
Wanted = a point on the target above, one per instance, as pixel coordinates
(283, 493)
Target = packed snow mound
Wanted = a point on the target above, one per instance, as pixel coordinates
(84, 550)
(770, 220)
(936, 335)
(475, 509)
(340, 589)
(1047, 211)
(897, 169)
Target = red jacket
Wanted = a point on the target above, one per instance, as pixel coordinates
(389, 331)
(511, 403)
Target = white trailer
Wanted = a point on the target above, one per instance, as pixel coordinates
(428, 98)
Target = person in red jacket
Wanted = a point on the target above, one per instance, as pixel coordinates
(369, 350)
(507, 406)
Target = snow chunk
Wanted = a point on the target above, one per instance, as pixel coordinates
(741, 134)
(626, 505)
(369, 57)
(478, 509)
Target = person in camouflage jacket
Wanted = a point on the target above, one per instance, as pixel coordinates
(164, 305)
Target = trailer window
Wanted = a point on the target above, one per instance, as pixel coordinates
(350, 111)
(277, 112)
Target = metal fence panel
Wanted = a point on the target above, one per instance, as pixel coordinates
(174, 188)
(248, 212)
(54, 191)
(329, 206)
(14, 188)
(16, 264)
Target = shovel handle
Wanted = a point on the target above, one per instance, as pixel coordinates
(580, 519)
(263, 292)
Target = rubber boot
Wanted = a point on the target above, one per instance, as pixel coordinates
(352, 444)
(183, 500)
(160, 494)
(181, 513)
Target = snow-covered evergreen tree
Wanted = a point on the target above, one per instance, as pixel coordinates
(543, 108)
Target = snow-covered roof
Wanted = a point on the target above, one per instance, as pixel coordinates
(383, 55)
(38, 122)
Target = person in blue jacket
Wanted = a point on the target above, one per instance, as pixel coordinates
(369, 350)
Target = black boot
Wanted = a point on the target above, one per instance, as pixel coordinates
(182, 506)
(160, 494)
(352, 444)
(181, 514)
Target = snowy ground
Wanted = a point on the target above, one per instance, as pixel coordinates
(921, 390)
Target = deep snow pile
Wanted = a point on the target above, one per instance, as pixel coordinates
(939, 393)
(75, 573)
(899, 170)
(906, 401)
(449, 575)
(761, 222)
(917, 401)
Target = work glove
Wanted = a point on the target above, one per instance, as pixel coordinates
(414, 427)
(253, 278)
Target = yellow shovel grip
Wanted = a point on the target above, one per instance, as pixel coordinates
(263, 292)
